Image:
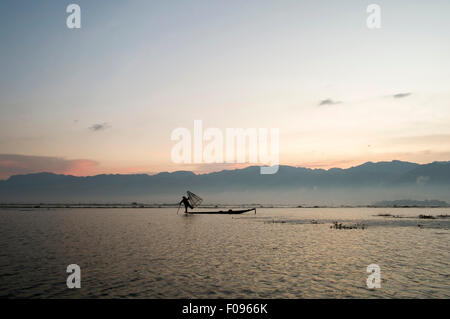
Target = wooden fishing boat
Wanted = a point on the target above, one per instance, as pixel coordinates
(195, 201)
(223, 212)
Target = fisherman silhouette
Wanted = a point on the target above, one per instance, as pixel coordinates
(186, 203)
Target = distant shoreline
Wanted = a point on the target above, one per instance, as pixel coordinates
(147, 206)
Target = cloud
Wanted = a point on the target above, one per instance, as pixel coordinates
(401, 95)
(13, 164)
(99, 127)
(329, 102)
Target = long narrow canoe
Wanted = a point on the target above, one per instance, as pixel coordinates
(224, 212)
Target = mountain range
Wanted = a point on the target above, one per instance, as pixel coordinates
(361, 184)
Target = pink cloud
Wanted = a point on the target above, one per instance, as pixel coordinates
(13, 164)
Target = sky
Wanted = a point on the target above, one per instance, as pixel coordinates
(105, 98)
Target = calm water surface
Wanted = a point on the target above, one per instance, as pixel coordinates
(277, 253)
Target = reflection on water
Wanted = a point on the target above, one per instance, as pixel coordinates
(277, 253)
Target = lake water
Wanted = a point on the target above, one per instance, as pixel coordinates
(277, 253)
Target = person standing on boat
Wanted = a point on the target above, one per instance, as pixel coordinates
(186, 203)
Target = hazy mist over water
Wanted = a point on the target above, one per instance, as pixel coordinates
(277, 253)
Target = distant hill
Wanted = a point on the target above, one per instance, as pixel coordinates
(361, 184)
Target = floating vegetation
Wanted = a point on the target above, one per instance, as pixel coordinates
(389, 215)
(426, 217)
(422, 216)
(295, 221)
(337, 225)
(273, 221)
